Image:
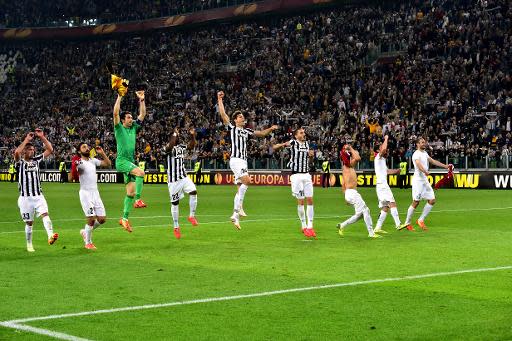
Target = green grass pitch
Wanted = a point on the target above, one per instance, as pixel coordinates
(469, 229)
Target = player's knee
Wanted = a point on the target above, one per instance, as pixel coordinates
(392, 205)
(102, 220)
(175, 203)
(29, 223)
(300, 202)
(90, 221)
(385, 209)
(193, 193)
(415, 204)
(138, 172)
(44, 215)
(246, 180)
(432, 202)
(309, 201)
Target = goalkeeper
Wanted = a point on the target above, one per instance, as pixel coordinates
(125, 129)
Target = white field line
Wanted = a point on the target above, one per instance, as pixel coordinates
(19, 323)
(225, 215)
(249, 220)
(41, 331)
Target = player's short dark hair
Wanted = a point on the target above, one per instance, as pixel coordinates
(376, 147)
(296, 131)
(122, 115)
(29, 144)
(235, 115)
(419, 138)
(79, 146)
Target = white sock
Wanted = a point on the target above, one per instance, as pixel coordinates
(410, 212)
(96, 224)
(426, 211)
(311, 214)
(351, 220)
(47, 222)
(175, 212)
(235, 203)
(88, 233)
(28, 234)
(302, 215)
(368, 221)
(382, 218)
(241, 195)
(192, 202)
(396, 218)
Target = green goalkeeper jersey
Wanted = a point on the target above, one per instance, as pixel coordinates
(126, 139)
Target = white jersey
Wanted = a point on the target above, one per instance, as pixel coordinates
(422, 156)
(381, 170)
(87, 171)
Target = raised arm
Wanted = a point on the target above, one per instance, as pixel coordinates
(437, 163)
(355, 157)
(19, 150)
(220, 105)
(278, 146)
(48, 146)
(142, 105)
(117, 109)
(105, 161)
(384, 145)
(172, 140)
(263, 133)
(193, 142)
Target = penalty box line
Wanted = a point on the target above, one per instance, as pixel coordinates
(19, 324)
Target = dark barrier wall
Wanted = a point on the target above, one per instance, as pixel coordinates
(151, 24)
(471, 180)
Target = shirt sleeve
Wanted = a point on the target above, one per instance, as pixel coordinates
(96, 162)
(292, 143)
(39, 158)
(250, 132)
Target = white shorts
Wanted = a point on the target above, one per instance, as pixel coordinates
(354, 198)
(30, 205)
(91, 203)
(178, 188)
(302, 185)
(384, 195)
(239, 168)
(422, 190)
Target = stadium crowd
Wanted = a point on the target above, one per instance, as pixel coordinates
(438, 68)
(33, 13)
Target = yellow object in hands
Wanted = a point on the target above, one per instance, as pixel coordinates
(119, 84)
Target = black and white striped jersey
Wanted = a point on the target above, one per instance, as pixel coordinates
(239, 137)
(29, 183)
(175, 163)
(299, 156)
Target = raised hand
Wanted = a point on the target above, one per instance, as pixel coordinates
(100, 150)
(29, 137)
(220, 95)
(140, 94)
(39, 133)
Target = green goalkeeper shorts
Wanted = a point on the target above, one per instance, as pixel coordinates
(125, 166)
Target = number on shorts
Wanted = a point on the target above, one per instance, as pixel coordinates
(244, 170)
(301, 193)
(175, 197)
(25, 216)
(91, 210)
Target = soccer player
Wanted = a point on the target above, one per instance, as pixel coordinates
(302, 184)
(125, 129)
(384, 195)
(178, 181)
(350, 157)
(421, 188)
(90, 198)
(31, 197)
(238, 159)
